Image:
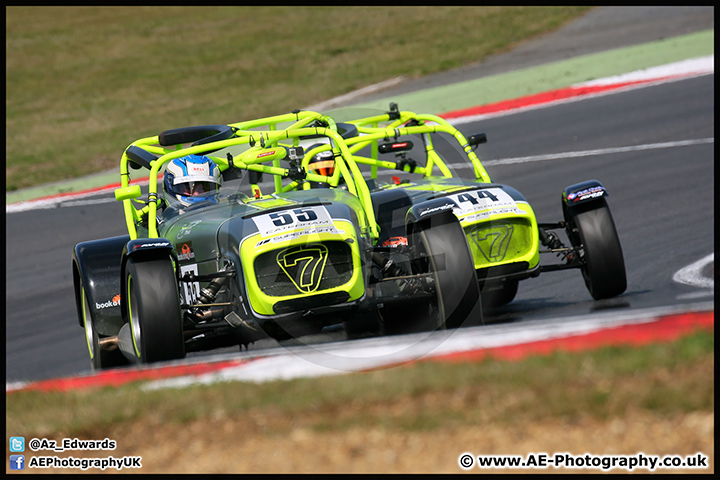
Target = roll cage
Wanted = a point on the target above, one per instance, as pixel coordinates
(277, 139)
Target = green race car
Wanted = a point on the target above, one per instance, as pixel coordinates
(305, 234)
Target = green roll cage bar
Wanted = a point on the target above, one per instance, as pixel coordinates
(269, 143)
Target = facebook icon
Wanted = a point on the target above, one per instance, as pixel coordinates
(17, 462)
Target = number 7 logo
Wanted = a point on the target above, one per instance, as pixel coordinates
(304, 265)
(492, 240)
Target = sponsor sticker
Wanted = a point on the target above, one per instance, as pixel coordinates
(187, 228)
(441, 208)
(185, 251)
(199, 169)
(301, 233)
(592, 192)
(154, 244)
(395, 242)
(265, 154)
(115, 302)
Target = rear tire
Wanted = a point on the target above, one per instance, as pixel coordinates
(99, 358)
(153, 309)
(592, 227)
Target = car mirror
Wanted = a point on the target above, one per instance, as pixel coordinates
(139, 158)
(477, 139)
(127, 193)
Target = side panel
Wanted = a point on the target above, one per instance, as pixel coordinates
(96, 266)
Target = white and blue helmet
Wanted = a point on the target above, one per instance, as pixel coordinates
(192, 179)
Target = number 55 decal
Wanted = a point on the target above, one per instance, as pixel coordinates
(304, 265)
(287, 220)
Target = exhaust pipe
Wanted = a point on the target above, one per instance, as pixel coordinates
(108, 343)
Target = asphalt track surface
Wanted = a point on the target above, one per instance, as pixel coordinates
(662, 199)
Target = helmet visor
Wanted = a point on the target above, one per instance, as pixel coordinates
(193, 189)
(323, 167)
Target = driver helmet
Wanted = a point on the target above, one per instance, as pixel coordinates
(322, 163)
(192, 179)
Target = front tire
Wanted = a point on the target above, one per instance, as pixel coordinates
(591, 226)
(442, 250)
(153, 309)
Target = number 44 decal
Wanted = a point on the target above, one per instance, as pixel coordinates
(487, 199)
(473, 197)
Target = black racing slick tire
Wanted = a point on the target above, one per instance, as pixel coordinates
(592, 227)
(449, 259)
(153, 309)
(442, 251)
(99, 358)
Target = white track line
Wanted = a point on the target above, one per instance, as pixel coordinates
(587, 153)
(692, 274)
